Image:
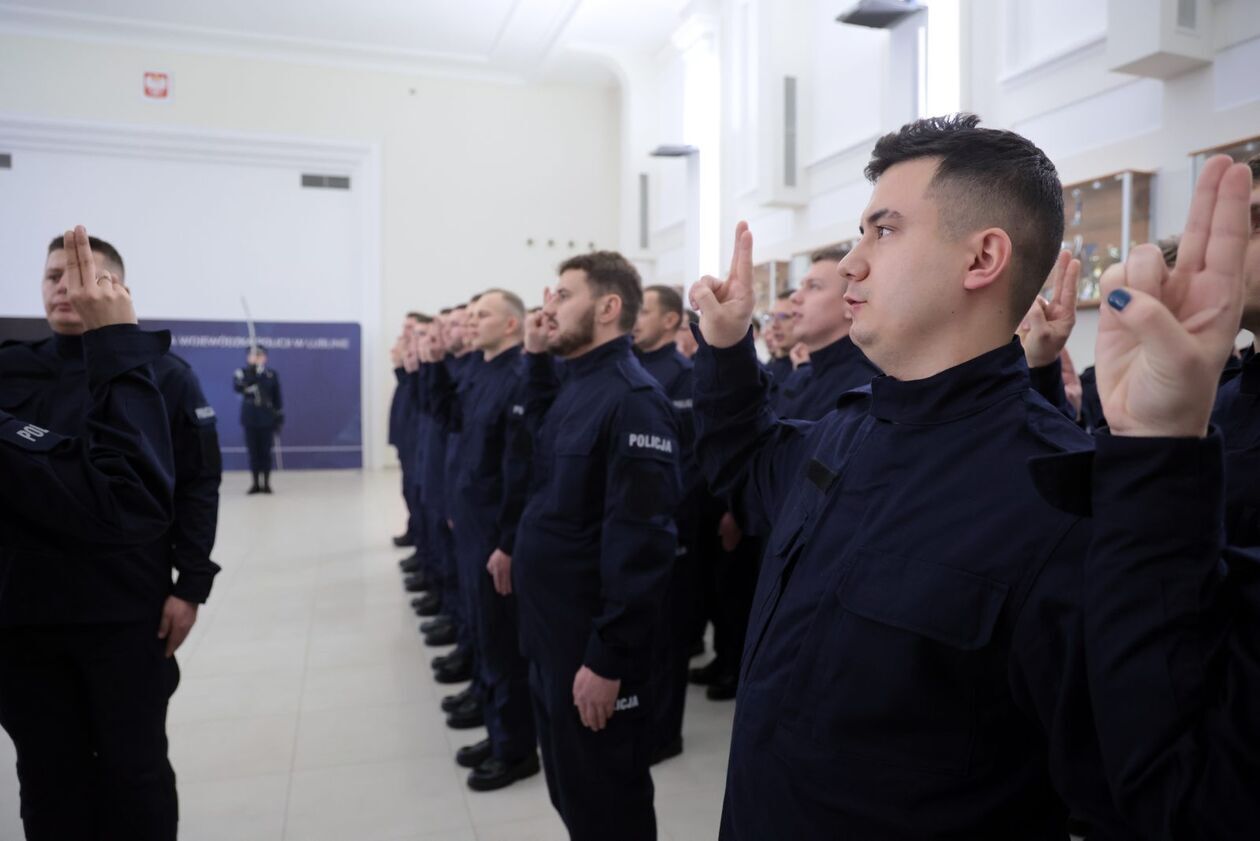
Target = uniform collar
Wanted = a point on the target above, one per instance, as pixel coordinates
(665, 351)
(954, 393)
(67, 346)
(606, 354)
(835, 355)
(506, 358)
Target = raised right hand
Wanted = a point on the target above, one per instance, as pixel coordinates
(100, 299)
(726, 307)
(536, 327)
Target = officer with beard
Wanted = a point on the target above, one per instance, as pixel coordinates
(595, 548)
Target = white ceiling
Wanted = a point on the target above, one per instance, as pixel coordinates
(496, 39)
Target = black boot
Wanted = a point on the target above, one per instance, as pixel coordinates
(430, 605)
(435, 624)
(445, 635)
(452, 702)
(403, 540)
(266, 488)
(417, 582)
(707, 674)
(471, 756)
(255, 488)
(411, 563)
(466, 716)
(723, 688)
(496, 773)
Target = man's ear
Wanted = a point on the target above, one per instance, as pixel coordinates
(989, 255)
(609, 309)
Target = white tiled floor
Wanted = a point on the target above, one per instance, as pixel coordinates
(307, 710)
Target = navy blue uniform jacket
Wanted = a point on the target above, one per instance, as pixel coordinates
(46, 382)
(595, 545)
(812, 391)
(675, 374)
(1237, 416)
(488, 413)
(1172, 637)
(107, 489)
(262, 406)
(914, 666)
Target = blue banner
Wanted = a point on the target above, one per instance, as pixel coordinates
(319, 368)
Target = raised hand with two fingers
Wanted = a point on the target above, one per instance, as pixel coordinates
(1164, 336)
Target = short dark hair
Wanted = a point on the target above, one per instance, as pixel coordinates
(256, 349)
(987, 178)
(668, 298)
(513, 301)
(444, 311)
(422, 318)
(416, 315)
(608, 273)
(98, 245)
(784, 295)
(693, 317)
(830, 252)
(1254, 163)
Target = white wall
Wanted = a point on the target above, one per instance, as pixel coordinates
(468, 170)
(1035, 66)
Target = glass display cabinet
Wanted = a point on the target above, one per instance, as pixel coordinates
(1103, 218)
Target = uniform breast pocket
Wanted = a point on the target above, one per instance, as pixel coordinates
(905, 663)
(578, 478)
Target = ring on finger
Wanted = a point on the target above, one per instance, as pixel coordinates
(105, 276)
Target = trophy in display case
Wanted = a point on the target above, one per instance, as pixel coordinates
(1103, 218)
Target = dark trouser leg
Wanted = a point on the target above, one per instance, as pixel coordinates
(505, 675)
(86, 707)
(674, 648)
(130, 682)
(599, 782)
(43, 707)
(737, 583)
(258, 441)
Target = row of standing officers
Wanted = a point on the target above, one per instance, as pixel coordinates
(927, 652)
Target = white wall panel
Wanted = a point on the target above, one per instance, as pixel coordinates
(848, 81)
(1129, 111)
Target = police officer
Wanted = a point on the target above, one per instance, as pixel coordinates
(595, 548)
(489, 495)
(452, 597)
(113, 484)
(88, 665)
(262, 414)
(654, 332)
(780, 338)
(1237, 410)
(915, 664)
(820, 322)
(1171, 630)
(402, 409)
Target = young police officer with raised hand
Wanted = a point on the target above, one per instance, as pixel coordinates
(915, 664)
(1172, 626)
(595, 548)
(113, 484)
(84, 702)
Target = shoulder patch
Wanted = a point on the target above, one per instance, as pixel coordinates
(28, 436)
(204, 412)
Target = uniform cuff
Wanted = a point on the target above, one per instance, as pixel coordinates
(603, 660)
(193, 587)
(114, 350)
(1168, 489)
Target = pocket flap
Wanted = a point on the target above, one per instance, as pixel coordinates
(949, 605)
